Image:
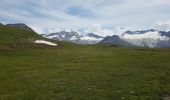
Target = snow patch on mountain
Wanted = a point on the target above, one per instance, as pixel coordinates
(45, 42)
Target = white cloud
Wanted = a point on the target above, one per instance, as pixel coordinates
(91, 38)
(97, 29)
(53, 30)
(148, 35)
(162, 26)
(38, 30)
(51, 14)
(68, 30)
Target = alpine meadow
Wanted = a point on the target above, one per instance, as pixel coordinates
(50, 51)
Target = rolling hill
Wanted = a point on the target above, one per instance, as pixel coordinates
(9, 34)
(20, 35)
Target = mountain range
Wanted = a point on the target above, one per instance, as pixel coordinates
(145, 38)
(74, 37)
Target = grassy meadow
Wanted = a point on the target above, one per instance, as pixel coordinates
(80, 72)
(75, 72)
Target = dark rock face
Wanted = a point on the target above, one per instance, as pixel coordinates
(163, 33)
(110, 40)
(115, 40)
(21, 26)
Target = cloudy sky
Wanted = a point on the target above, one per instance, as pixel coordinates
(76, 14)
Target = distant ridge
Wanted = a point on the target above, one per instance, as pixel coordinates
(21, 26)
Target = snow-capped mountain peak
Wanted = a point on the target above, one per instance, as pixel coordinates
(146, 38)
(75, 37)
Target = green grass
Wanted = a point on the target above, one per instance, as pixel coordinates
(11, 34)
(75, 72)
